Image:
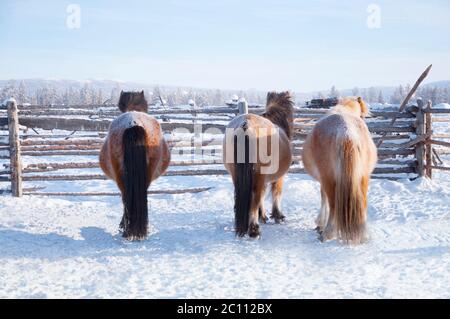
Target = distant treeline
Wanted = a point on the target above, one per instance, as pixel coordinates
(372, 95)
(90, 95)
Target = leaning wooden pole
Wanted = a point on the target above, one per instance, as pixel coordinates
(14, 149)
(406, 100)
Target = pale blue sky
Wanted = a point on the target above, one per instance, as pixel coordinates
(234, 44)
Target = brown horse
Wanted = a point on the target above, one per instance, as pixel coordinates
(134, 154)
(257, 152)
(341, 155)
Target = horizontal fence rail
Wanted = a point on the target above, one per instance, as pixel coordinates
(407, 146)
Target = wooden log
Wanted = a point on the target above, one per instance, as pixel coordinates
(194, 116)
(397, 136)
(14, 152)
(197, 172)
(393, 170)
(407, 151)
(411, 143)
(51, 107)
(437, 156)
(43, 148)
(389, 178)
(87, 110)
(390, 114)
(443, 135)
(37, 137)
(61, 153)
(396, 162)
(70, 112)
(150, 192)
(71, 142)
(440, 119)
(419, 148)
(192, 150)
(436, 142)
(443, 168)
(408, 97)
(428, 151)
(50, 123)
(85, 177)
(373, 128)
(438, 111)
(49, 167)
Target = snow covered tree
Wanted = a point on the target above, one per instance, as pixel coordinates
(333, 92)
(8, 91)
(380, 97)
(371, 95)
(21, 94)
(320, 95)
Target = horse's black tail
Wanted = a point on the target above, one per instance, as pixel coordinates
(243, 189)
(135, 181)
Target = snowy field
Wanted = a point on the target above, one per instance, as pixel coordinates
(71, 247)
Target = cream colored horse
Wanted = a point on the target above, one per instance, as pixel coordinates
(341, 155)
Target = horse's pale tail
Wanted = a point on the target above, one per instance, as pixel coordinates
(135, 180)
(350, 194)
(243, 189)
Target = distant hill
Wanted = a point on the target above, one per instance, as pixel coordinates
(439, 84)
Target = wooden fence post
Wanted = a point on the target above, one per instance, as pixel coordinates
(420, 147)
(242, 106)
(428, 147)
(14, 149)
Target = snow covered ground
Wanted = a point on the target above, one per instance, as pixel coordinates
(70, 247)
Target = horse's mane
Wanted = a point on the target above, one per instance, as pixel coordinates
(132, 98)
(280, 111)
(351, 105)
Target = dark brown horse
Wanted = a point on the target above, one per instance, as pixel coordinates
(134, 154)
(257, 152)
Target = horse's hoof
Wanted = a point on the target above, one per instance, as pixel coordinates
(279, 219)
(322, 238)
(319, 230)
(254, 231)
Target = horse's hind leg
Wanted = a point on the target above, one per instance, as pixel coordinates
(262, 214)
(276, 189)
(262, 210)
(329, 231)
(258, 197)
(322, 219)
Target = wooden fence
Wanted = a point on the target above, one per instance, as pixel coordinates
(405, 142)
